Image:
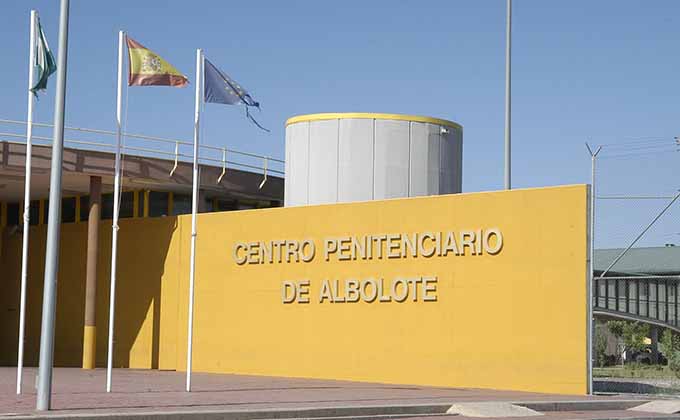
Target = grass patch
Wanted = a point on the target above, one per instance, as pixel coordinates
(635, 371)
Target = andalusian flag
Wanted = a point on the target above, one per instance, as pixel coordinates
(44, 60)
(148, 69)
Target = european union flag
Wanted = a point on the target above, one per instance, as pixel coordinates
(222, 89)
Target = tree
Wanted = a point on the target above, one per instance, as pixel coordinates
(632, 334)
(616, 328)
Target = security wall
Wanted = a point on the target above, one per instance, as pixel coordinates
(484, 290)
(333, 158)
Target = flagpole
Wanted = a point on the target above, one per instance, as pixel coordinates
(194, 209)
(116, 200)
(49, 305)
(27, 201)
(508, 84)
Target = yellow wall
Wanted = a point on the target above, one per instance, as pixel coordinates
(148, 269)
(514, 320)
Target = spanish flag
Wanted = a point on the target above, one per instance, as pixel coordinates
(148, 69)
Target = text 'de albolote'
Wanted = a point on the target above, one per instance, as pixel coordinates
(370, 290)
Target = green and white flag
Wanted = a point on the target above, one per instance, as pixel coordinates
(44, 60)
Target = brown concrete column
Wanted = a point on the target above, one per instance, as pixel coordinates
(90, 333)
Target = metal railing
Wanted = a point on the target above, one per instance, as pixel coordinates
(167, 148)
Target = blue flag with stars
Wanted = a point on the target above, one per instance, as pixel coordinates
(222, 89)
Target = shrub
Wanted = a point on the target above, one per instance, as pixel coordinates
(670, 347)
(600, 346)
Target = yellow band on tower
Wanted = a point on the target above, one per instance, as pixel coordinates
(373, 116)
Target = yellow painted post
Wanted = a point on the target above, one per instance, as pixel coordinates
(146, 204)
(77, 209)
(171, 203)
(135, 204)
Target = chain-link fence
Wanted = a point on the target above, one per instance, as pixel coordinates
(637, 230)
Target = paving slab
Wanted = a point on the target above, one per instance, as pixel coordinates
(619, 403)
(491, 410)
(659, 406)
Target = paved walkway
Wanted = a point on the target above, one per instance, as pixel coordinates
(77, 391)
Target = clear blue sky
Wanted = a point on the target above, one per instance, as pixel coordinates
(608, 71)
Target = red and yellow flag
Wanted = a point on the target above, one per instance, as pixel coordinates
(148, 69)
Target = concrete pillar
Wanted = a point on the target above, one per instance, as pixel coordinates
(90, 333)
(654, 337)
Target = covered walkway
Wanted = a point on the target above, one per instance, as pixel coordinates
(643, 286)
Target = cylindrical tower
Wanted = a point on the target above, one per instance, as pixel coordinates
(333, 158)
